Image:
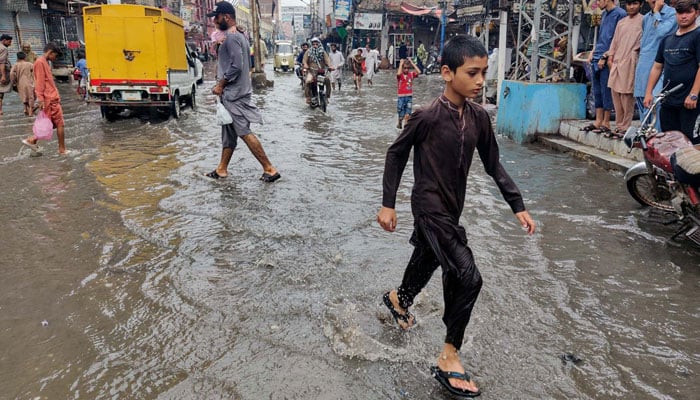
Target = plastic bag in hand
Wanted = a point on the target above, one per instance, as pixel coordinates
(223, 117)
(43, 127)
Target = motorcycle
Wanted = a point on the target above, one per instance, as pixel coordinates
(433, 66)
(319, 90)
(669, 177)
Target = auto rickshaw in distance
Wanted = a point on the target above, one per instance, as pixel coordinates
(284, 56)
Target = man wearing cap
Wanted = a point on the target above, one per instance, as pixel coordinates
(5, 84)
(31, 55)
(233, 86)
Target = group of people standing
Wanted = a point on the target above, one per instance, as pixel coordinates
(31, 76)
(636, 56)
(19, 76)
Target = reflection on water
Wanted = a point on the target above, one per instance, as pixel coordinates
(159, 283)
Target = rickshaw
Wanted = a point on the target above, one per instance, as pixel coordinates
(284, 56)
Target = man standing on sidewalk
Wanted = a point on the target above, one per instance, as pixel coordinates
(678, 59)
(622, 61)
(657, 23)
(601, 92)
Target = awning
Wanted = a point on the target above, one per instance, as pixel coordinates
(415, 10)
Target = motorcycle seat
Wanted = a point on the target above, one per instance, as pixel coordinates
(686, 165)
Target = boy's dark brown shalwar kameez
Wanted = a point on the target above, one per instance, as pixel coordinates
(443, 145)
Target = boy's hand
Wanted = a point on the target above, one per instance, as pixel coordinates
(387, 218)
(526, 221)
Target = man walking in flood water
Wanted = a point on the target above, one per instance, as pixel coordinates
(234, 86)
(440, 176)
(47, 96)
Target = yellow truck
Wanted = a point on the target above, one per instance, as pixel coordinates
(137, 57)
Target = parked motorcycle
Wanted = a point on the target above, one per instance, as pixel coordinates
(669, 176)
(319, 96)
(433, 66)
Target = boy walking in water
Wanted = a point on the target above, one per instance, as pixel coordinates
(443, 137)
(404, 78)
(47, 96)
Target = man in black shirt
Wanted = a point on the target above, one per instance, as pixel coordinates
(678, 58)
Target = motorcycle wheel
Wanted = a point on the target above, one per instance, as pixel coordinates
(322, 101)
(648, 192)
(427, 70)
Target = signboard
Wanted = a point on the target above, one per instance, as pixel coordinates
(342, 9)
(307, 21)
(368, 21)
(298, 22)
(471, 14)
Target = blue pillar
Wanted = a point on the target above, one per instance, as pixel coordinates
(443, 21)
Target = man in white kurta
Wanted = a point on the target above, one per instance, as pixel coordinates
(371, 62)
(622, 61)
(337, 61)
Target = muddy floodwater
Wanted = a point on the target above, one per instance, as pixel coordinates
(125, 274)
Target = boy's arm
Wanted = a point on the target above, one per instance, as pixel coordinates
(654, 75)
(396, 159)
(695, 89)
(399, 70)
(489, 154)
(39, 82)
(415, 67)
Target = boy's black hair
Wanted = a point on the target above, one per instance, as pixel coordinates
(686, 6)
(633, 1)
(52, 47)
(21, 55)
(459, 48)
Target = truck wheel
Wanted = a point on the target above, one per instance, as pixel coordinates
(175, 106)
(192, 100)
(108, 113)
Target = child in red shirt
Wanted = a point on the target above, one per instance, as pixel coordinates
(405, 78)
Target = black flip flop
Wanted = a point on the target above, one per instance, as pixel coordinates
(394, 313)
(443, 377)
(214, 175)
(589, 128)
(270, 178)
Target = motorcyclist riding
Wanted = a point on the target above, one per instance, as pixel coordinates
(314, 59)
(299, 61)
(300, 57)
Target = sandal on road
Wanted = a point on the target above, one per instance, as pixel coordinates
(589, 128)
(270, 178)
(444, 376)
(405, 318)
(214, 175)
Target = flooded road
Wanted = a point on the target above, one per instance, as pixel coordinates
(153, 282)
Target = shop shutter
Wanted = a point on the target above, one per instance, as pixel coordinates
(7, 26)
(32, 29)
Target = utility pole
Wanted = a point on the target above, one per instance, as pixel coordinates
(258, 75)
(443, 21)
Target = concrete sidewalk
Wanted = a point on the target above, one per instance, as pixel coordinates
(609, 153)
